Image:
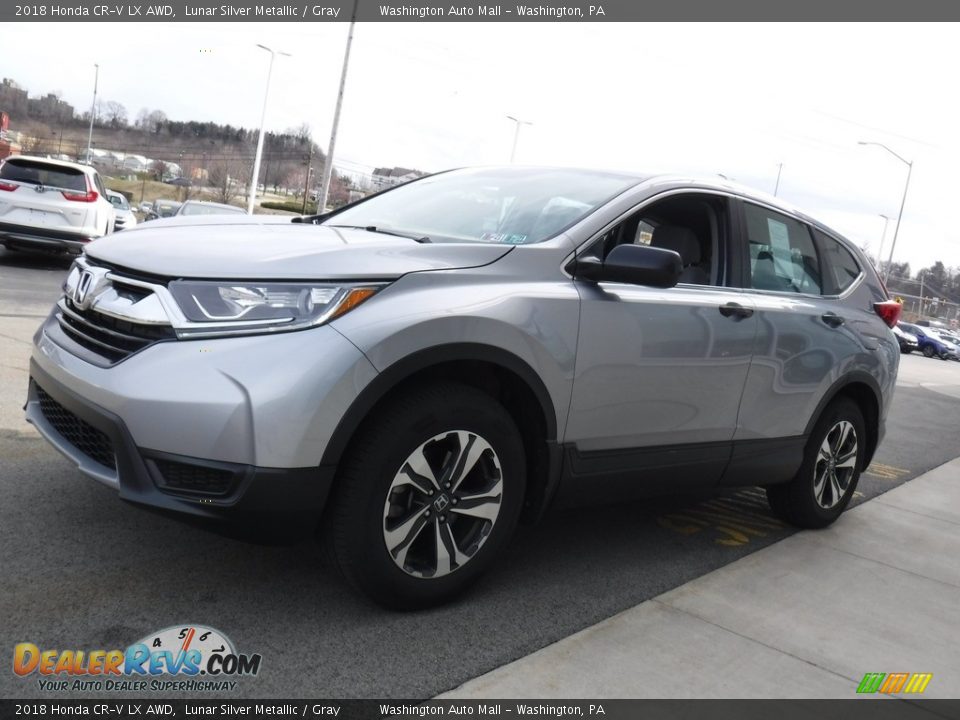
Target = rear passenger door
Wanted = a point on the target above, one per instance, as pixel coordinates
(803, 340)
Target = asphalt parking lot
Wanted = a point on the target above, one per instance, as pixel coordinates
(81, 569)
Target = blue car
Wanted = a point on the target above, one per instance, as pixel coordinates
(931, 343)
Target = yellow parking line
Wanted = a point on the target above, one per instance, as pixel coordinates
(887, 472)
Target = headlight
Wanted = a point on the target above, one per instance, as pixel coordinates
(231, 308)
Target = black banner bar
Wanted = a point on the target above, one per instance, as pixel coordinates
(473, 11)
(884, 709)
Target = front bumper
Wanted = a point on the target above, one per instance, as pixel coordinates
(101, 446)
(213, 428)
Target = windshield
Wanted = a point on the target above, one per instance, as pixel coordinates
(513, 206)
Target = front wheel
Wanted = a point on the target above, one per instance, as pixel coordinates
(427, 496)
(928, 351)
(828, 477)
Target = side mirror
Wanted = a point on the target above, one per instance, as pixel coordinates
(634, 264)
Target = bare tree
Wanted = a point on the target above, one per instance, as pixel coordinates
(114, 113)
(224, 176)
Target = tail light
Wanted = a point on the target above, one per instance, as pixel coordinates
(889, 311)
(9, 187)
(89, 196)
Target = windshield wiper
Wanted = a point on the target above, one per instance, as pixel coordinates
(385, 231)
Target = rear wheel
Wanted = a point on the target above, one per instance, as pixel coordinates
(427, 496)
(828, 477)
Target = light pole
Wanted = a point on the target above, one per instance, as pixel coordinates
(883, 237)
(516, 135)
(776, 187)
(903, 201)
(263, 116)
(328, 164)
(93, 111)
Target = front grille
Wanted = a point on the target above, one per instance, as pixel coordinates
(109, 337)
(87, 439)
(199, 479)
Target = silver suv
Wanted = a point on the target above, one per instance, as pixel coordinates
(417, 372)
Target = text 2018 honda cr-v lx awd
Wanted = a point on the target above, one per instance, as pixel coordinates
(415, 372)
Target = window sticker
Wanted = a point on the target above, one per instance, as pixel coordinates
(779, 236)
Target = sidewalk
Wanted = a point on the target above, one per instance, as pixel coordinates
(804, 618)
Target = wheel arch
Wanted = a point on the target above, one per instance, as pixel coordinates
(863, 389)
(499, 373)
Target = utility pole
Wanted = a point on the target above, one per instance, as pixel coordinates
(93, 112)
(306, 180)
(776, 187)
(922, 273)
(328, 165)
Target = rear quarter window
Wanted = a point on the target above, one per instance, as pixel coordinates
(40, 173)
(840, 267)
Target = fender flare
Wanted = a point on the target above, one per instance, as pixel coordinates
(407, 366)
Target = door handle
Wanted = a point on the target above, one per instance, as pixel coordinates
(735, 310)
(832, 319)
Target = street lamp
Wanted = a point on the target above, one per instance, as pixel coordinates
(516, 134)
(903, 201)
(331, 149)
(883, 237)
(93, 111)
(263, 117)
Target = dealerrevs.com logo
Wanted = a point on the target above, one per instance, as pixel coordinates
(179, 658)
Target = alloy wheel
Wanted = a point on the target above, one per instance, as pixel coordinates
(442, 504)
(835, 466)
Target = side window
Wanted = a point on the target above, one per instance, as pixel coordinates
(693, 225)
(99, 185)
(840, 268)
(782, 254)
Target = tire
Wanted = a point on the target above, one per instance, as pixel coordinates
(389, 517)
(804, 501)
(928, 351)
(906, 350)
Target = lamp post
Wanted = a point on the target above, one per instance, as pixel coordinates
(93, 111)
(776, 188)
(516, 135)
(263, 116)
(883, 237)
(903, 201)
(328, 163)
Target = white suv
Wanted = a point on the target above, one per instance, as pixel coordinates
(51, 205)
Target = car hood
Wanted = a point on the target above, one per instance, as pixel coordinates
(261, 247)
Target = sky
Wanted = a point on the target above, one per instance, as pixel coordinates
(731, 99)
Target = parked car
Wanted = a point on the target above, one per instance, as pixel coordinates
(907, 340)
(930, 342)
(145, 207)
(163, 209)
(123, 215)
(51, 205)
(418, 371)
(179, 182)
(201, 207)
